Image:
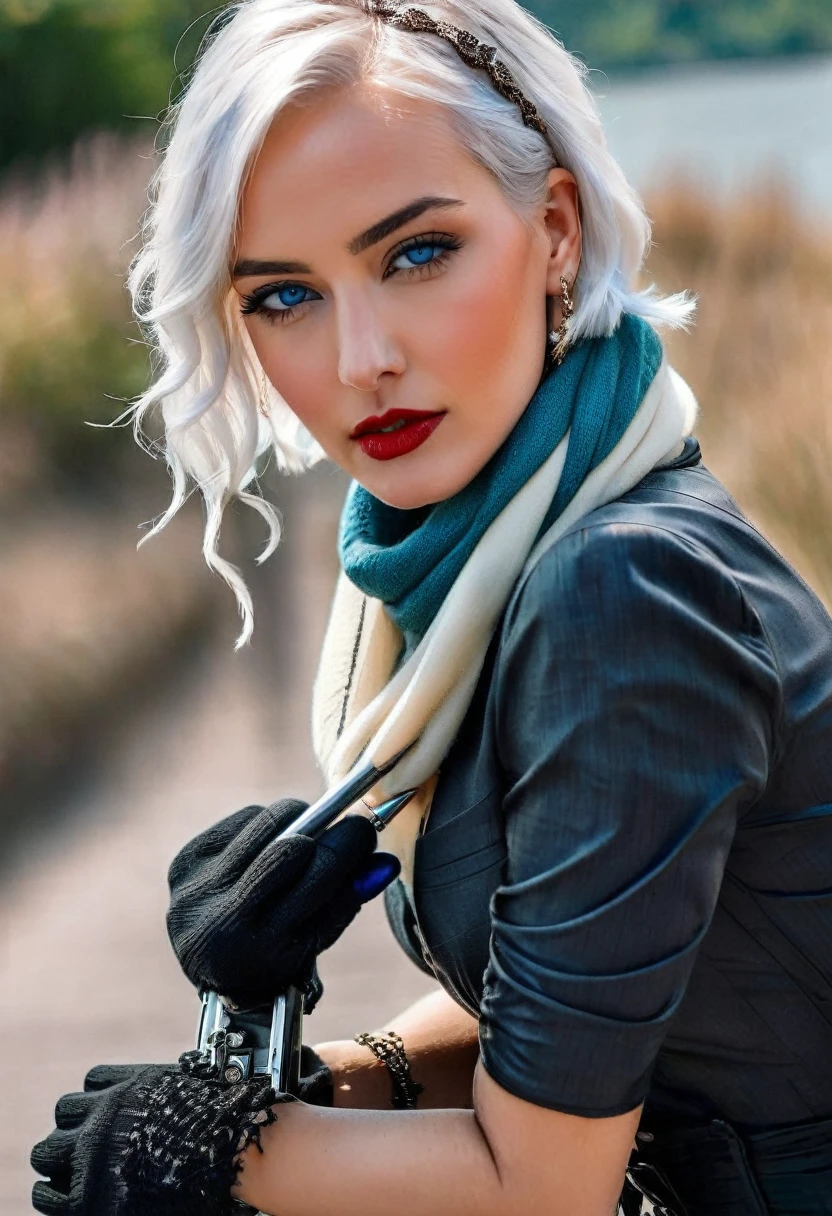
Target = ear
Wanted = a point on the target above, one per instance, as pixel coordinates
(562, 219)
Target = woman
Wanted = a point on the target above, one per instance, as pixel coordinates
(380, 238)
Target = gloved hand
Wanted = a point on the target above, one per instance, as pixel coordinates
(316, 1084)
(248, 916)
(154, 1138)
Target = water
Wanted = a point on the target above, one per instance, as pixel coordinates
(726, 127)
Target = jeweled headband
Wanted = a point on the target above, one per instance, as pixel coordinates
(473, 52)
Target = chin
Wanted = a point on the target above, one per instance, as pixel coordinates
(434, 472)
(410, 493)
(406, 501)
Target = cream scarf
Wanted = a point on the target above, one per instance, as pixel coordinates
(362, 706)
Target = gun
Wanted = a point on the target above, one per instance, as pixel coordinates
(266, 1041)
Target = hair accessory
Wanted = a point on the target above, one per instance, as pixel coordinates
(559, 338)
(389, 1048)
(473, 52)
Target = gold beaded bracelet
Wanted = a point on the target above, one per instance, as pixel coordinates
(389, 1049)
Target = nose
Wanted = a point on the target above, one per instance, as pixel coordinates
(367, 347)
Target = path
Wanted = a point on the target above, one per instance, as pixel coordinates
(87, 974)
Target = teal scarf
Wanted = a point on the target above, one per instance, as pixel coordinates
(410, 559)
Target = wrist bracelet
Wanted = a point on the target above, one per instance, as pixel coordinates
(389, 1048)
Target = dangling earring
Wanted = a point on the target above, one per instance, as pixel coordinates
(263, 399)
(558, 338)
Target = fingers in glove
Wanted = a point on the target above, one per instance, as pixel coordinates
(378, 874)
(315, 1085)
(104, 1076)
(53, 1156)
(330, 922)
(48, 1200)
(321, 904)
(209, 844)
(274, 876)
(259, 833)
(342, 854)
(73, 1109)
(285, 811)
(353, 838)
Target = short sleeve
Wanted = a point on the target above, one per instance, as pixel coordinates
(634, 705)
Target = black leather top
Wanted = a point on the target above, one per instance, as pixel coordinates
(655, 712)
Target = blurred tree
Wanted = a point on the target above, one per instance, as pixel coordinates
(638, 33)
(69, 351)
(69, 66)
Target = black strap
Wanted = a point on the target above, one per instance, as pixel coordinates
(803, 1023)
(708, 1167)
(709, 1163)
(742, 903)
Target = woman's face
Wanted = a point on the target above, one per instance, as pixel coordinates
(395, 300)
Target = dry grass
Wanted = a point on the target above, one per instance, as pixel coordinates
(759, 358)
(66, 239)
(83, 617)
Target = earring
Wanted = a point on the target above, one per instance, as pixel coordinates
(558, 339)
(263, 399)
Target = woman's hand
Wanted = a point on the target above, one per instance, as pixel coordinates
(315, 1085)
(249, 914)
(149, 1138)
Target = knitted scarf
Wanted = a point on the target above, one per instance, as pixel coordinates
(432, 584)
(410, 559)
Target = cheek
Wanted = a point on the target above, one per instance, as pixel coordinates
(487, 326)
(298, 374)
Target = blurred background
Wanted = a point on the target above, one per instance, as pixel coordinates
(127, 722)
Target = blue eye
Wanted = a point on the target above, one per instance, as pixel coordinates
(428, 249)
(289, 295)
(278, 302)
(419, 255)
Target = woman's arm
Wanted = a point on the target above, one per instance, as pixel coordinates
(504, 1157)
(644, 726)
(442, 1048)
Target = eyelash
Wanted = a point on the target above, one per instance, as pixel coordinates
(254, 304)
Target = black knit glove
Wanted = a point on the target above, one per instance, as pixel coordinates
(316, 1085)
(142, 1139)
(248, 916)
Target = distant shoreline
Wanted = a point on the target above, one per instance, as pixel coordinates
(728, 124)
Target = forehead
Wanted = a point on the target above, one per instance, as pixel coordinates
(333, 167)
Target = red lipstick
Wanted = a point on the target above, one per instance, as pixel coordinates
(395, 432)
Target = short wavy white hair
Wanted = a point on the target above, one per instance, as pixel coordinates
(264, 54)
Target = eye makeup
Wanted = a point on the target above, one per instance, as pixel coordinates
(442, 241)
(427, 253)
(255, 302)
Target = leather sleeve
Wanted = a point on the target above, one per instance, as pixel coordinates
(635, 705)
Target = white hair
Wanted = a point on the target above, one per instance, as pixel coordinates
(264, 54)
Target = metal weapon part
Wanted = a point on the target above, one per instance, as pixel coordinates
(241, 1043)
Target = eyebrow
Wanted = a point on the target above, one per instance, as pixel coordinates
(248, 267)
(398, 219)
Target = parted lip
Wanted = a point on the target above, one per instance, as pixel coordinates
(374, 423)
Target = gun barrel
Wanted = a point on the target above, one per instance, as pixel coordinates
(321, 814)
